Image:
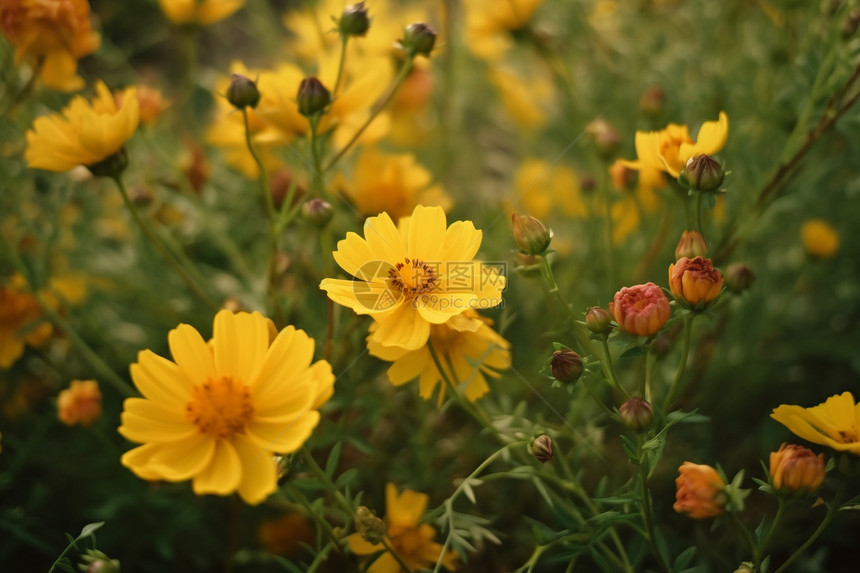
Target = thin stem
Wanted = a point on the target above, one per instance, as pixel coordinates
(764, 544)
(648, 510)
(748, 538)
(682, 364)
(609, 369)
(650, 362)
(344, 39)
(318, 176)
(396, 556)
(552, 289)
(319, 473)
(699, 226)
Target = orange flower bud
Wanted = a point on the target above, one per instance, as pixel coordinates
(699, 491)
(695, 280)
(641, 310)
(794, 468)
(691, 245)
(80, 404)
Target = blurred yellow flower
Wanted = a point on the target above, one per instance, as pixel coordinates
(410, 276)
(406, 536)
(80, 404)
(490, 23)
(22, 321)
(468, 348)
(85, 133)
(150, 101)
(199, 12)
(835, 423)
(393, 183)
(219, 410)
(524, 99)
(52, 33)
(544, 189)
(819, 238)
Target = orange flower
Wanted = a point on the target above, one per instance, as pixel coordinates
(150, 101)
(56, 33)
(641, 310)
(794, 468)
(695, 280)
(699, 491)
(80, 404)
(19, 311)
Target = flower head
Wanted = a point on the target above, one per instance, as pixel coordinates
(80, 404)
(413, 275)
(19, 310)
(545, 189)
(699, 492)
(835, 423)
(641, 310)
(199, 12)
(489, 25)
(85, 133)
(58, 32)
(217, 412)
(819, 238)
(694, 281)
(406, 536)
(795, 469)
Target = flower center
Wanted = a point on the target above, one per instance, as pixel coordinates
(407, 542)
(848, 437)
(412, 277)
(220, 407)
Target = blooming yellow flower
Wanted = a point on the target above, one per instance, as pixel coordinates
(835, 423)
(525, 100)
(819, 238)
(56, 32)
(406, 535)
(21, 321)
(199, 12)
(80, 404)
(467, 347)
(85, 133)
(489, 24)
(410, 276)
(219, 410)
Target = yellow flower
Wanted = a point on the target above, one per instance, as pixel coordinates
(819, 238)
(80, 404)
(21, 321)
(490, 23)
(57, 32)
(410, 276)
(525, 100)
(467, 348)
(85, 133)
(217, 413)
(407, 536)
(669, 149)
(545, 189)
(199, 12)
(835, 423)
(394, 183)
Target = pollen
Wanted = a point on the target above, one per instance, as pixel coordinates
(848, 437)
(412, 277)
(220, 407)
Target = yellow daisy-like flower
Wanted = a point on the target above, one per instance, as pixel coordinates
(199, 12)
(410, 276)
(819, 238)
(406, 535)
(525, 99)
(468, 348)
(835, 423)
(545, 189)
(85, 133)
(217, 413)
(489, 24)
(669, 149)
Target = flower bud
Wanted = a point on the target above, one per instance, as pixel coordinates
(652, 101)
(418, 39)
(318, 212)
(97, 562)
(80, 404)
(691, 245)
(354, 21)
(605, 137)
(795, 469)
(531, 236)
(699, 491)
(641, 310)
(541, 448)
(636, 414)
(242, 92)
(566, 365)
(598, 320)
(819, 238)
(371, 528)
(702, 173)
(694, 281)
(746, 567)
(313, 97)
(621, 175)
(739, 277)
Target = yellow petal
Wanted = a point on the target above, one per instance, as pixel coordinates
(182, 459)
(145, 421)
(361, 547)
(406, 508)
(282, 437)
(223, 473)
(191, 354)
(160, 379)
(274, 390)
(403, 327)
(426, 232)
(240, 343)
(259, 478)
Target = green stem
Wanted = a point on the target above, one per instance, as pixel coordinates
(648, 510)
(682, 364)
(344, 39)
(650, 362)
(764, 544)
(609, 369)
(396, 556)
(748, 538)
(323, 477)
(699, 226)
(552, 289)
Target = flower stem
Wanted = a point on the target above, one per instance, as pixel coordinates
(343, 42)
(699, 226)
(323, 477)
(609, 369)
(757, 558)
(648, 510)
(682, 364)
(748, 538)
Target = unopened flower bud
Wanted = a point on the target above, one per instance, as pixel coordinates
(371, 528)
(636, 414)
(621, 175)
(746, 567)
(694, 281)
(652, 100)
(541, 448)
(418, 39)
(795, 469)
(531, 236)
(566, 365)
(318, 212)
(691, 245)
(598, 320)
(97, 562)
(242, 92)
(702, 173)
(739, 277)
(313, 97)
(354, 21)
(605, 137)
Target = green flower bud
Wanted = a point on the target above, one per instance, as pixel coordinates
(371, 528)
(531, 236)
(354, 21)
(242, 92)
(702, 173)
(636, 414)
(691, 245)
(418, 39)
(318, 212)
(566, 365)
(598, 320)
(541, 448)
(738, 277)
(313, 97)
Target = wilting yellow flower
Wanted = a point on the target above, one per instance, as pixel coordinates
(406, 536)
(490, 23)
(834, 423)
(794, 468)
(669, 149)
(699, 492)
(410, 276)
(545, 189)
(199, 12)
(56, 32)
(525, 100)
(217, 413)
(467, 347)
(819, 238)
(393, 183)
(22, 321)
(80, 404)
(695, 280)
(85, 133)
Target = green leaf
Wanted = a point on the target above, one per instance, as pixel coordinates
(684, 558)
(333, 457)
(89, 529)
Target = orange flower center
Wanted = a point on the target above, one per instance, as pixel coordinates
(220, 407)
(412, 277)
(407, 543)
